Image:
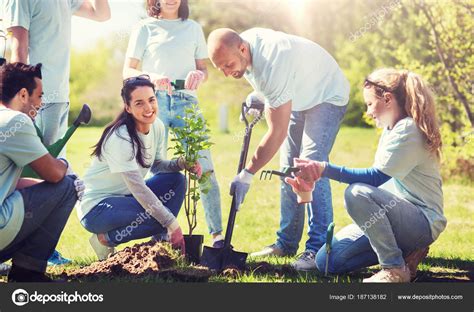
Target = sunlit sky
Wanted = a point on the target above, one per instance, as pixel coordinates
(125, 14)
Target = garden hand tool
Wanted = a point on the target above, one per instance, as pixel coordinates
(178, 84)
(220, 258)
(56, 148)
(329, 236)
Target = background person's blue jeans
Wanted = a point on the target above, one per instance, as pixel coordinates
(52, 121)
(311, 135)
(386, 230)
(123, 219)
(170, 108)
(47, 209)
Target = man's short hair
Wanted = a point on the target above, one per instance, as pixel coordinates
(16, 76)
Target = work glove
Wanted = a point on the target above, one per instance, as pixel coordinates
(310, 170)
(194, 79)
(240, 186)
(251, 98)
(78, 183)
(195, 168)
(175, 236)
(162, 83)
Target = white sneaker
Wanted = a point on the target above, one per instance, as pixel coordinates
(393, 275)
(305, 262)
(102, 252)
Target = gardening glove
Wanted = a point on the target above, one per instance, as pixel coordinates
(162, 83)
(240, 186)
(310, 170)
(78, 183)
(251, 98)
(300, 185)
(194, 79)
(175, 235)
(195, 168)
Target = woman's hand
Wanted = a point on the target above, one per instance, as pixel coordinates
(310, 170)
(300, 185)
(193, 168)
(194, 79)
(162, 83)
(176, 237)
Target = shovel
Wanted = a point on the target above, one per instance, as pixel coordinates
(56, 148)
(221, 258)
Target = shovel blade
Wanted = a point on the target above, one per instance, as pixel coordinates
(221, 258)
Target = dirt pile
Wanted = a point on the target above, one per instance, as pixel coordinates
(141, 259)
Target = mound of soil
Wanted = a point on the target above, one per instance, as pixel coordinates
(140, 259)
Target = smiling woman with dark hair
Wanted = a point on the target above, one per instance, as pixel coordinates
(119, 205)
(168, 46)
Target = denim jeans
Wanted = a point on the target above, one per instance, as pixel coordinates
(311, 135)
(47, 209)
(123, 219)
(52, 121)
(386, 229)
(170, 108)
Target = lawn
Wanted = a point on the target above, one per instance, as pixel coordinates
(451, 256)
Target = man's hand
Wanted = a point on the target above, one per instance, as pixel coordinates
(194, 79)
(78, 183)
(176, 238)
(240, 186)
(252, 98)
(310, 170)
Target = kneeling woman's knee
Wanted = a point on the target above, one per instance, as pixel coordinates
(335, 263)
(355, 195)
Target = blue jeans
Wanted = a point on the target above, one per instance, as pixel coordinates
(386, 229)
(170, 109)
(52, 121)
(311, 135)
(123, 219)
(47, 209)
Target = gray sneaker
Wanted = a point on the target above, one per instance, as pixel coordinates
(305, 262)
(272, 250)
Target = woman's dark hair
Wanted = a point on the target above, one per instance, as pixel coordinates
(127, 119)
(16, 76)
(153, 9)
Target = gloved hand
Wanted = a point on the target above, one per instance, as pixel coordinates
(240, 186)
(194, 79)
(175, 236)
(253, 97)
(310, 170)
(300, 185)
(162, 83)
(194, 168)
(78, 183)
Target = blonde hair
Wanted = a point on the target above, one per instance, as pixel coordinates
(413, 95)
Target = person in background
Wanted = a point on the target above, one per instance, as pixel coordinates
(169, 46)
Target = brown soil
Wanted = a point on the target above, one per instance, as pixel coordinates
(140, 259)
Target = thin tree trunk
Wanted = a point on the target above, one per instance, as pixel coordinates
(441, 57)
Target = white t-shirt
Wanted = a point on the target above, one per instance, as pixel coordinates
(103, 179)
(19, 146)
(287, 67)
(168, 47)
(402, 154)
(49, 25)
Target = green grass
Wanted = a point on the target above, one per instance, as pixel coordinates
(451, 256)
